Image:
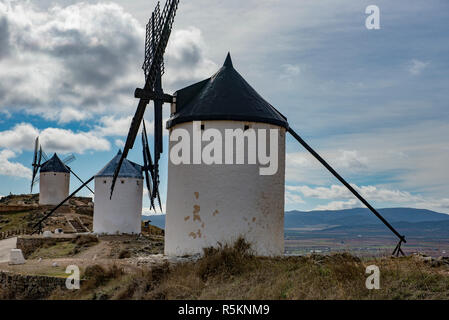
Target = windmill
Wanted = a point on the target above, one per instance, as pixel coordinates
(222, 102)
(157, 35)
(40, 158)
(158, 32)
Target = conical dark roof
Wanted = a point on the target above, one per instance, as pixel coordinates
(127, 170)
(54, 165)
(224, 96)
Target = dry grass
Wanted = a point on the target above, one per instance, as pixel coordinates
(52, 249)
(232, 272)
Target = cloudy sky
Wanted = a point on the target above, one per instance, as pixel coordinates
(374, 103)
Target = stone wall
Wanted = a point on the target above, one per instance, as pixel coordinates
(13, 208)
(27, 287)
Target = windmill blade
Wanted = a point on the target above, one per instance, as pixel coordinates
(36, 148)
(154, 168)
(158, 32)
(347, 185)
(158, 195)
(33, 178)
(158, 134)
(39, 160)
(76, 176)
(147, 149)
(133, 130)
(156, 44)
(33, 181)
(147, 169)
(69, 159)
(36, 162)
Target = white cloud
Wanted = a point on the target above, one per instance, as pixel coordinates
(341, 192)
(333, 192)
(23, 135)
(67, 115)
(344, 199)
(302, 167)
(415, 67)
(290, 71)
(119, 143)
(150, 212)
(340, 205)
(292, 198)
(60, 140)
(186, 59)
(80, 57)
(13, 169)
(114, 126)
(70, 63)
(351, 159)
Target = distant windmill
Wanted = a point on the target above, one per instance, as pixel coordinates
(54, 178)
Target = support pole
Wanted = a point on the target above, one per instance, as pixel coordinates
(38, 225)
(81, 181)
(346, 184)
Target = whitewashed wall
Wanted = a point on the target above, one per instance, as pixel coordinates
(207, 204)
(122, 214)
(53, 187)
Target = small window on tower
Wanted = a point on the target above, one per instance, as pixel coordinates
(202, 127)
(246, 127)
(122, 181)
(104, 181)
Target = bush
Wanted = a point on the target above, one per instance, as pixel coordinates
(124, 254)
(85, 240)
(96, 275)
(225, 260)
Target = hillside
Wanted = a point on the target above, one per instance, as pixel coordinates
(231, 273)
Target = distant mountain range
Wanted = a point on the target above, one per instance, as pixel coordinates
(361, 221)
(409, 221)
(360, 216)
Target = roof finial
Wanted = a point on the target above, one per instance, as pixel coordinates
(228, 61)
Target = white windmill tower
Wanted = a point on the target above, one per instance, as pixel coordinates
(54, 176)
(217, 203)
(54, 182)
(122, 213)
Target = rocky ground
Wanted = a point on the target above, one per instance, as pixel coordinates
(21, 212)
